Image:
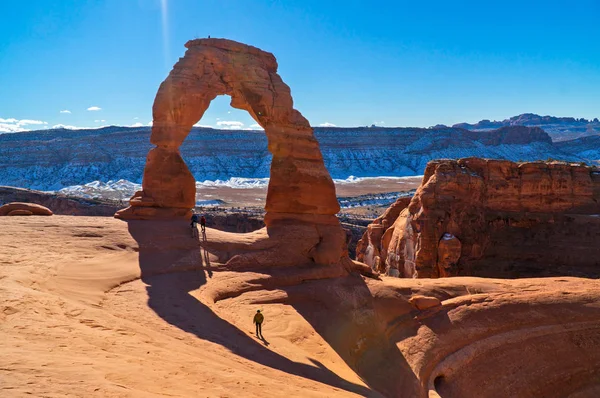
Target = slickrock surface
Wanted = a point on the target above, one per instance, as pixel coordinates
(300, 187)
(496, 219)
(94, 306)
(24, 209)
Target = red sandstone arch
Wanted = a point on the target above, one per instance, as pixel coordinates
(300, 186)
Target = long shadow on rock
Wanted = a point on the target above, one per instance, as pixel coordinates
(342, 311)
(167, 257)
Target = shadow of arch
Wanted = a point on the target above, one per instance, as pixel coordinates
(171, 264)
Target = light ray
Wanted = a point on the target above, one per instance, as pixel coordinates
(165, 31)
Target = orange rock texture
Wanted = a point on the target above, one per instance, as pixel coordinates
(300, 187)
(300, 193)
(143, 307)
(24, 209)
(495, 218)
(372, 247)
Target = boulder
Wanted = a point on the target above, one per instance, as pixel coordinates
(20, 213)
(424, 302)
(24, 209)
(449, 248)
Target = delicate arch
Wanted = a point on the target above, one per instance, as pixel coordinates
(300, 186)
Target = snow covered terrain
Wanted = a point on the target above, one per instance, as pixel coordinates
(559, 128)
(111, 160)
(383, 199)
(115, 190)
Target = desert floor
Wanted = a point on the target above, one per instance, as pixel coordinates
(76, 319)
(85, 311)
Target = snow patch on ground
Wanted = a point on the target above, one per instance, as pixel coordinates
(354, 180)
(234, 182)
(210, 203)
(119, 190)
(383, 199)
(123, 190)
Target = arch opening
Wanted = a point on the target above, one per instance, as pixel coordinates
(231, 161)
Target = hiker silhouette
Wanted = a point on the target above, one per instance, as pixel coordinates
(258, 320)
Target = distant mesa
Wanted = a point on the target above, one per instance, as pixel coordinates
(491, 218)
(525, 119)
(51, 160)
(24, 209)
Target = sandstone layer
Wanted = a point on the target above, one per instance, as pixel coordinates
(372, 247)
(300, 187)
(493, 218)
(24, 209)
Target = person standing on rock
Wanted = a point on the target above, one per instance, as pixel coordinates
(258, 320)
(194, 224)
(203, 224)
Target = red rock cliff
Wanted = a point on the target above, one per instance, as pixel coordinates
(496, 218)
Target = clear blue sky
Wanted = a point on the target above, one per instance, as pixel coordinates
(349, 63)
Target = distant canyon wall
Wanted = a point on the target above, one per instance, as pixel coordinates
(50, 160)
(491, 218)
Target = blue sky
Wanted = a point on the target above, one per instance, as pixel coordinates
(348, 63)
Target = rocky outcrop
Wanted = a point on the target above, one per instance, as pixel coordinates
(371, 249)
(24, 209)
(511, 135)
(60, 204)
(559, 128)
(300, 192)
(497, 218)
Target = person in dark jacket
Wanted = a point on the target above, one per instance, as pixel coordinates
(258, 320)
(194, 224)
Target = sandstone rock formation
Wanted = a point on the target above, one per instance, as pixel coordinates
(371, 249)
(59, 203)
(20, 213)
(300, 190)
(497, 219)
(24, 209)
(300, 187)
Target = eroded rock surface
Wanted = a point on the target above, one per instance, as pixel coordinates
(330, 333)
(24, 209)
(494, 218)
(300, 187)
(60, 204)
(371, 249)
(300, 193)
